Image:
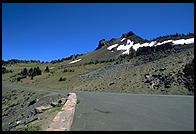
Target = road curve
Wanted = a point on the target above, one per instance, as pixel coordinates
(132, 112)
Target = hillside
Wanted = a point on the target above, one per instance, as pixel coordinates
(127, 64)
(19, 108)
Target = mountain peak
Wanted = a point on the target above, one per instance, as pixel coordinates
(129, 35)
(125, 35)
(102, 43)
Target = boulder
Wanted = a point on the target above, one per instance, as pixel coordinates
(18, 122)
(147, 76)
(111, 83)
(62, 100)
(54, 104)
(42, 108)
(33, 102)
(162, 69)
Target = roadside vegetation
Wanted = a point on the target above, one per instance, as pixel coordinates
(4, 70)
(31, 128)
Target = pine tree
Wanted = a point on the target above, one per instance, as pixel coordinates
(47, 69)
(24, 72)
(39, 72)
(61, 79)
(4, 70)
(31, 72)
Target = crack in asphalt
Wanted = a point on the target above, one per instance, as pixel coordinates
(106, 112)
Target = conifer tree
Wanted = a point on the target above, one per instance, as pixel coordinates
(47, 69)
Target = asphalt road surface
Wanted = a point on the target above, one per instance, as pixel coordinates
(129, 112)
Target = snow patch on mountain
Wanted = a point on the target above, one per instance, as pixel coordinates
(130, 44)
(75, 61)
(112, 46)
(183, 41)
(152, 43)
(164, 42)
(126, 47)
(138, 45)
(123, 39)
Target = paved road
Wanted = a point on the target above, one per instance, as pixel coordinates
(115, 111)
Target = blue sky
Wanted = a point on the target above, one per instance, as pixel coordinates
(51, 31)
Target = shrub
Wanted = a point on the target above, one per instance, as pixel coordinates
(4, 70)
(59, 107)
(31, 128)
(21, 77)
(68, 70)
(18, 78)
(78, 101)
(62, 79)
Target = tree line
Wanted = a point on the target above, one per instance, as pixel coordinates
(174, 36)
(14, 61)
(73, 57)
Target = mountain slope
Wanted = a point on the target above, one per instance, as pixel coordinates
(160, 73)
(127, 64)
(131, 44)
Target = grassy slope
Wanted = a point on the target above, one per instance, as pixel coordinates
(50, 80)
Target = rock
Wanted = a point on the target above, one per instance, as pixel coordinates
(127, 34)
(29, 120)
(180, 62)
(152, 85)
(33, 113)
(167, 85)
(33, 102)
(162, 69)
(171, 73)
(189, 53)
(111, 83)
(102, 43)
(54, 104)
(147, 76)
(18, 122)
(148, 81)
(62, 100)
(5, 114)
(157, 76)
(179, 80)
(42, 108)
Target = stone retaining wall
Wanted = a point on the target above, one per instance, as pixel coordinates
(63, 120)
